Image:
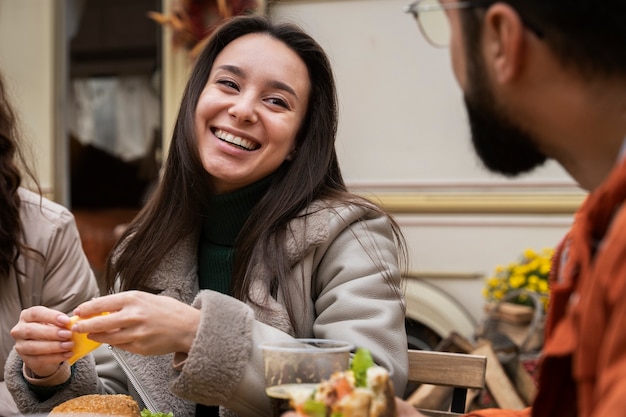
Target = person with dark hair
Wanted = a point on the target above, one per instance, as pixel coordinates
(41, 257)
(251, 235)
(546, 79)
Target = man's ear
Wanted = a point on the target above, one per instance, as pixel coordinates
(504, 40)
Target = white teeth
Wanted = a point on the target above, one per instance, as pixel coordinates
(235, 140)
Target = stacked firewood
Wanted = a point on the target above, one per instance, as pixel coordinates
(510, 377)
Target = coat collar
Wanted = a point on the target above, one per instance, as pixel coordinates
(177, 274)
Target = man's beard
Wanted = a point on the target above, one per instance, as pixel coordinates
(502, 146)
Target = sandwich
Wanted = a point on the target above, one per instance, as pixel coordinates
(364, 390)
(100, 405)
(94, 405)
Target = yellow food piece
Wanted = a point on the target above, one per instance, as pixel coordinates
(82, 345)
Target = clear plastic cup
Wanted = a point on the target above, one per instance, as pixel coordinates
(297, 365)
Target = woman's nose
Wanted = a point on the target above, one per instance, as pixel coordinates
(244, 109)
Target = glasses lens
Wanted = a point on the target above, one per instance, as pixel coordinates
(434, 22)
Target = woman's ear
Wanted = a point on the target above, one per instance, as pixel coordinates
(291, 154)
(504, 41)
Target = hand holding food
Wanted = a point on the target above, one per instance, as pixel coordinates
(42, 339)
(137, 322)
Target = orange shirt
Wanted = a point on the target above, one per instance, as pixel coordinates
(583, 370)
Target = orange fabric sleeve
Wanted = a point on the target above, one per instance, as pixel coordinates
(497, 412)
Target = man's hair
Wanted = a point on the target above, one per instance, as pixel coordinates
(586, 35)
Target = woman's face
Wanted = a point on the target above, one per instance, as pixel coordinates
(250, 110)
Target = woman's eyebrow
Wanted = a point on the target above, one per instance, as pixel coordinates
(274, 84)
(282, 86)
(233, 68)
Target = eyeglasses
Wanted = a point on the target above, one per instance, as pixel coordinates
(432, 20)
(434, 25)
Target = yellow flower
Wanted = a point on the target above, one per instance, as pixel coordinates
(521, 269)
(517, 281)
(530, 272)
(529, 254)
(534, 264)
(493, 282)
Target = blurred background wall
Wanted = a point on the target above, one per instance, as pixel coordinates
(27, 61)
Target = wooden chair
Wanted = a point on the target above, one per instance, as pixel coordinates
(457, 370)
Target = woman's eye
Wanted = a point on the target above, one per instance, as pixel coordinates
(228, 83)
(278, 102)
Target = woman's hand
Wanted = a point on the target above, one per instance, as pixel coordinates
(139, 322)
(42, 339)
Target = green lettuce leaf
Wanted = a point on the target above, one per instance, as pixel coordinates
(147, 413)
(361, 362)
(314, 408)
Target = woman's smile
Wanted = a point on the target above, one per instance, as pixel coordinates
(237, 141)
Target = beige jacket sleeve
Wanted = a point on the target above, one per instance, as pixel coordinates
(59, 277)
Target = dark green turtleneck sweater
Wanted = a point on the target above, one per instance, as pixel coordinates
(221, 225)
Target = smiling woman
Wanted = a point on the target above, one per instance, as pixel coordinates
(250, 110)
(251, 236)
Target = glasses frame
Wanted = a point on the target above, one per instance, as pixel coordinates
(417, 7)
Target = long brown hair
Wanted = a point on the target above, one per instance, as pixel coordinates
(173, 211)
(12, 164)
